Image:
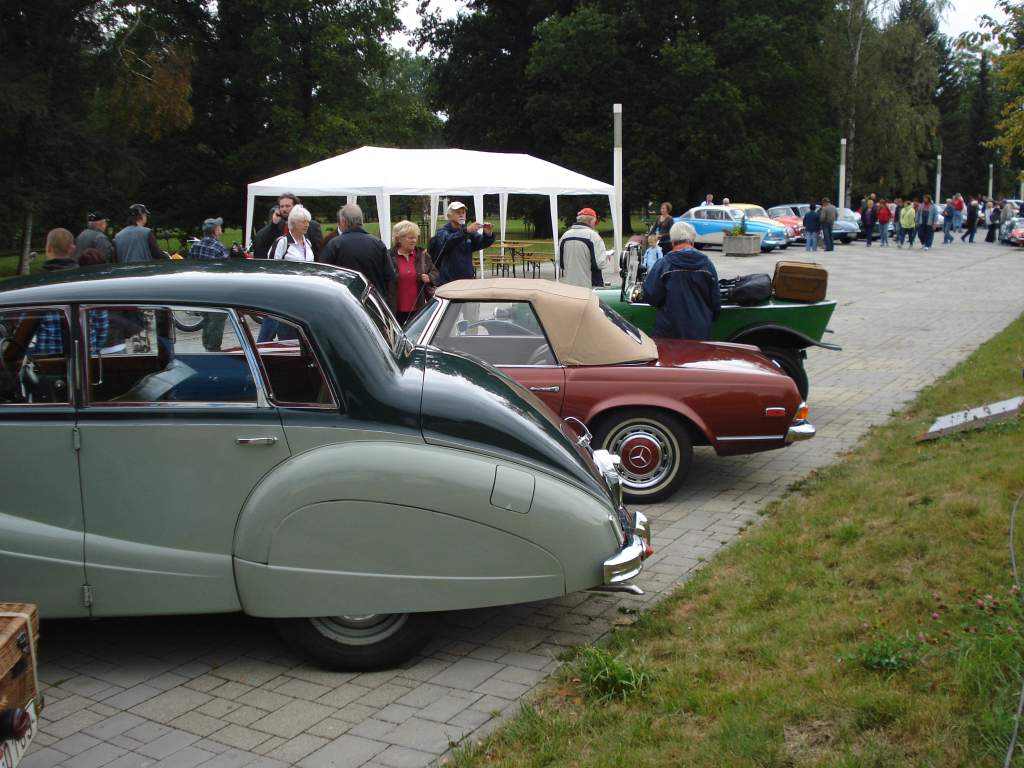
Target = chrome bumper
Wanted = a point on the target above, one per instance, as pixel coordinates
(801, 430)
(627, 563)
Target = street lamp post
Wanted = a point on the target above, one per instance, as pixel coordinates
(938, 179)
(990, 181)
(841, 197)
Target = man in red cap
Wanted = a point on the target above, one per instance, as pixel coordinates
(581, 252)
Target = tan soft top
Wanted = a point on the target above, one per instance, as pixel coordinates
(578, 329)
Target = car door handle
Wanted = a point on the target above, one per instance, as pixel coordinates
(255, 440)
(545, 389)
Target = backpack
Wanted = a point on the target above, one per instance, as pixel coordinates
(746, 290)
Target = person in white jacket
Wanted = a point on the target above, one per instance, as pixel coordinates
(581, 252)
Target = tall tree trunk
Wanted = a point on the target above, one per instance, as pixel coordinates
(26, 247)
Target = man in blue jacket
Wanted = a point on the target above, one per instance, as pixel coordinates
(683, 286)
(451, 249)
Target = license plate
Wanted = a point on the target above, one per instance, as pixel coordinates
(13, 750)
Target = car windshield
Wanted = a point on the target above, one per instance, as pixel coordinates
(846, 213)
(621, 323)
(779, 211)
(756, 210)
(383, 320)
(803, 209)
(418, 323)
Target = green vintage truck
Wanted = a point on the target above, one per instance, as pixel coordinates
(784, 330)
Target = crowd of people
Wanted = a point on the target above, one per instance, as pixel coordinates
(680, 280)
(909, 218)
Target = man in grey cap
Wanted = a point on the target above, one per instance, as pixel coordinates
(136, 242)
(210, 246)
(94, 236)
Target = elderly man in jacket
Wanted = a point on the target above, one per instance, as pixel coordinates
(451, 248)
(581, 252)
(683, 286)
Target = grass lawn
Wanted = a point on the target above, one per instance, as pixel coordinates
(869, 620)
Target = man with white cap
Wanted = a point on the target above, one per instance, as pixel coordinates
(451, 249)
(581, 252)
(210, 247)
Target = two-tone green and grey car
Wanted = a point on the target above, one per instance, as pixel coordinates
(297, 459)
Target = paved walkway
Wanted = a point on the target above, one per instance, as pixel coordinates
(222, 692)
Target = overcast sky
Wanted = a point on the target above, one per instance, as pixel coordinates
(962, 17)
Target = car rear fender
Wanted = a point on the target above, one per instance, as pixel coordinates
(380, 526)
(780, 336)
(700, 433)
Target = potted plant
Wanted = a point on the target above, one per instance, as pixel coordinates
(736, 242)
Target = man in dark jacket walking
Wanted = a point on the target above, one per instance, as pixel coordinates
(683, 286)
(971, 224)
(355, 248)
(451, 249)
(827, 216)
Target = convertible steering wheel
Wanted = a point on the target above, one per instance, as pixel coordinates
(502, 328)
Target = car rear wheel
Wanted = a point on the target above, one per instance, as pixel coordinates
(792, 365)
(846, 240)
(655, 450)
(358, 642)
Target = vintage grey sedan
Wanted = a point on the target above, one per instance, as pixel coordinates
(295, 458)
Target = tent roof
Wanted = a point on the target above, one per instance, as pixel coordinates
(576, 326)
(381, 170)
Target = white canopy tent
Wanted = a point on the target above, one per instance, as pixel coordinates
(382, 172)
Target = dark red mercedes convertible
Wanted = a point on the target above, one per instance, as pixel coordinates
(648, 402)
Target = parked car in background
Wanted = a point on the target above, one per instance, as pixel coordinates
(713, 222)
(1012, 232)
(333, 477)
(788, 218)
(845, 229)
(646, 401)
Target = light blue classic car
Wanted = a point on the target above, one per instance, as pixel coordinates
(713, 222)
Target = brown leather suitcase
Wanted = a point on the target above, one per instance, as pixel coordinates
(799, 281)
(18, 639)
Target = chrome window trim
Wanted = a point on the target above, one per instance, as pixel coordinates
(431, 327)
(65, 309)
(87, 403)
(262, 401)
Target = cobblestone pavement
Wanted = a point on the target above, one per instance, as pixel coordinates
(222, 692)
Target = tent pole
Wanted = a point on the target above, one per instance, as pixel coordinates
(503, 218)
(553, 203)
(250, 202)
(384, 217)
(478, 205)
(433, 214)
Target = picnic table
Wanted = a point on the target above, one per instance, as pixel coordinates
(525, 251)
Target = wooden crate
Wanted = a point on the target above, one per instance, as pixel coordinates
(18, 654)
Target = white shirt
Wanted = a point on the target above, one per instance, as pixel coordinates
(705, 204)
(292, 251)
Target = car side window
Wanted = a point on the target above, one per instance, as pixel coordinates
(35, 351)
(291, 372)
(146, 355)
(500, 333)
(714, 215)
(700, 213)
